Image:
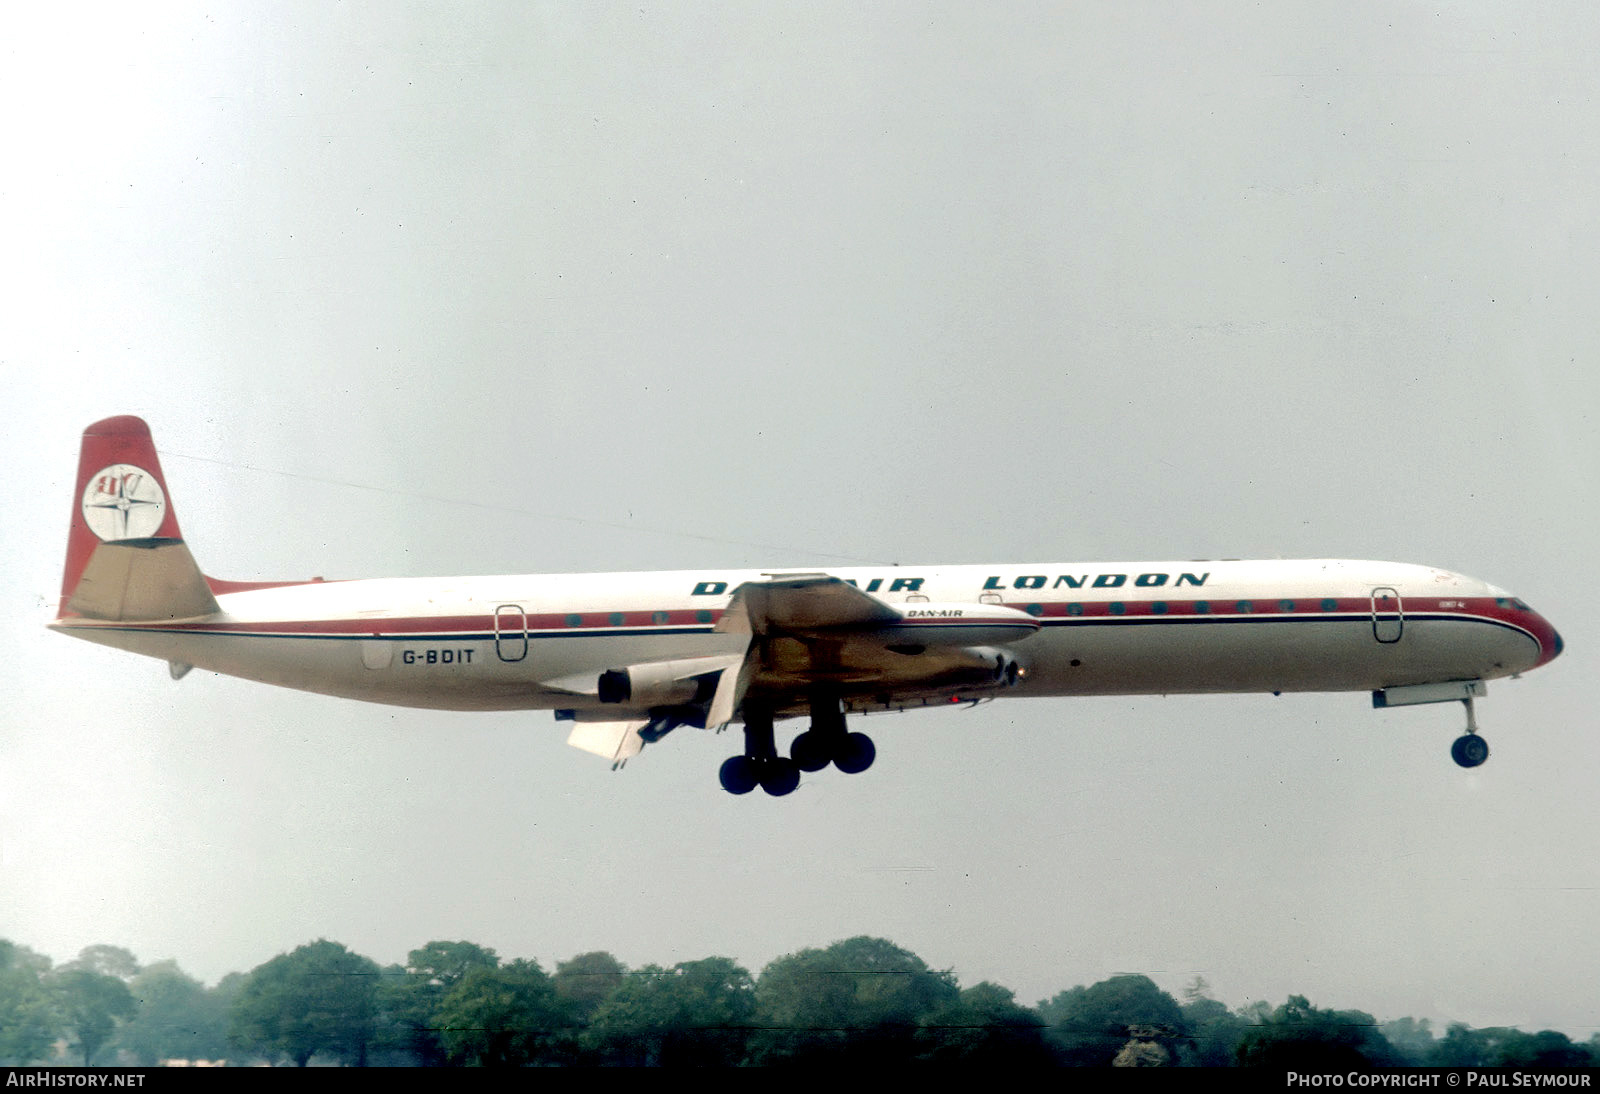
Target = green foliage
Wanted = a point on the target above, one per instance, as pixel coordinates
(505, 1017)
(1547, 1048)
(588, 980)
(1463, 1046)
(859, 1001)
(90, 1004)
(984, 1026)
(1299, 1037)
(1213, 1033)
(320, 998)
(29, 1018)
(695, 1014)
(106, 960)
(1090, 1026)
(1413, 1040)
(409, 997)
(176, 1017)
(445, 963)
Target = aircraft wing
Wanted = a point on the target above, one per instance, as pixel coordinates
(806, 634)
(802, 604)
(789, 605)
(810, 631)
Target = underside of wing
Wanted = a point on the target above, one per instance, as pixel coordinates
(814, 633)
(810, 638)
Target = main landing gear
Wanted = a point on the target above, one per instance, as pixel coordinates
(827, 741)
(1469, 749)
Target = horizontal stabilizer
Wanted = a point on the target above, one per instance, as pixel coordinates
(144, 580)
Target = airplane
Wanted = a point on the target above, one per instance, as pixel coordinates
(629, 657)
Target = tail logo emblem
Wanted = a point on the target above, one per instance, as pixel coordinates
(123, 502)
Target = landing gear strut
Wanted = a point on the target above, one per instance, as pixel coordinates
(759, 764)
(830, 741)
(827, 741)
(1469, 750)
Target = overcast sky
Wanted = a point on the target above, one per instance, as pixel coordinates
(416, 289)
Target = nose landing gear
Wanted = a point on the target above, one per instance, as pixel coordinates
(1469, 749)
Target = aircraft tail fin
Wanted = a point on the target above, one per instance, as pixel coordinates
(126, 558)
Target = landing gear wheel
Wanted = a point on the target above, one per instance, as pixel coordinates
(1469, 750)
(810, 752)
(779, 776)
(739, 774)
(854, 754)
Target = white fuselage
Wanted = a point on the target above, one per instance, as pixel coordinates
(504, 643)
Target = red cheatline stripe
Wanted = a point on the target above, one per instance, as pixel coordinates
(1489, 609)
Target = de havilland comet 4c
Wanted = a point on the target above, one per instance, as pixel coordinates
(629, 657)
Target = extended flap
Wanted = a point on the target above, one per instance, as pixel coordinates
(618, 742)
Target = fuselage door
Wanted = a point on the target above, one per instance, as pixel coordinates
(510, 632)
(1388, 618)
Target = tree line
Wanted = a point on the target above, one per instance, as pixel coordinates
(859, 1001)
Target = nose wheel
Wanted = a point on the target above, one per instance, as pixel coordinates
(1469, 749)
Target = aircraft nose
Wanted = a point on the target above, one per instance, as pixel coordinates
(1552, 648)
(1550, 643)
